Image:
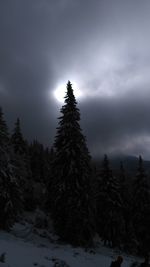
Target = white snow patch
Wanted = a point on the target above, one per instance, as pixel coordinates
(28, 247)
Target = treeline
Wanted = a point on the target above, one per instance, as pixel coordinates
(81, 201)
(123, 208)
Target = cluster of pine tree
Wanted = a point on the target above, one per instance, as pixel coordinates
(24, 174)
(123, 208)
(82, 202)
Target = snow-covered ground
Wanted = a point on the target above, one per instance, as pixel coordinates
(26, 246)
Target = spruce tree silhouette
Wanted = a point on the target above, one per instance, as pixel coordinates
(21, 160)
(110, 224)
(141, 208)
(71, 185)
(10, 199)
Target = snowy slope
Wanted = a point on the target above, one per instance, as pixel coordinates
(25, 247)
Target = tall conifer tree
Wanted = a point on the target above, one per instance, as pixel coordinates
(110, 223)
(21, 161)
(71, 188)
(10, 204)
(129, 239)
(141, 208)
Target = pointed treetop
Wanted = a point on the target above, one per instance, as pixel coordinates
(122, 173)
(69, 83)
(17, 139)
(140, 168)
(121, 166)
(106, 161)
(18, 121)
(70, 98)
(140, 159)
(2, 117)
(69, 87)
(17, 124)
(4, 135)
(17, 129)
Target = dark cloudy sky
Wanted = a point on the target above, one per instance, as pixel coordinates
(102, 45)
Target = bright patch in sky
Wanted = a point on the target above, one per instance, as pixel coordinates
(60, 92)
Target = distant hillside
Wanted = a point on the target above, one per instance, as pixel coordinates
(130, 163)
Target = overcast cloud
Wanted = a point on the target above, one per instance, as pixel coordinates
(103, 45)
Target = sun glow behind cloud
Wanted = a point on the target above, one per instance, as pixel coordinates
(60, 91)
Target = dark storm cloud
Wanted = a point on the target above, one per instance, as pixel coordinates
(102, 45)
(121, 125)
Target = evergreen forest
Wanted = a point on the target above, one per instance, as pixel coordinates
(83, 200)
